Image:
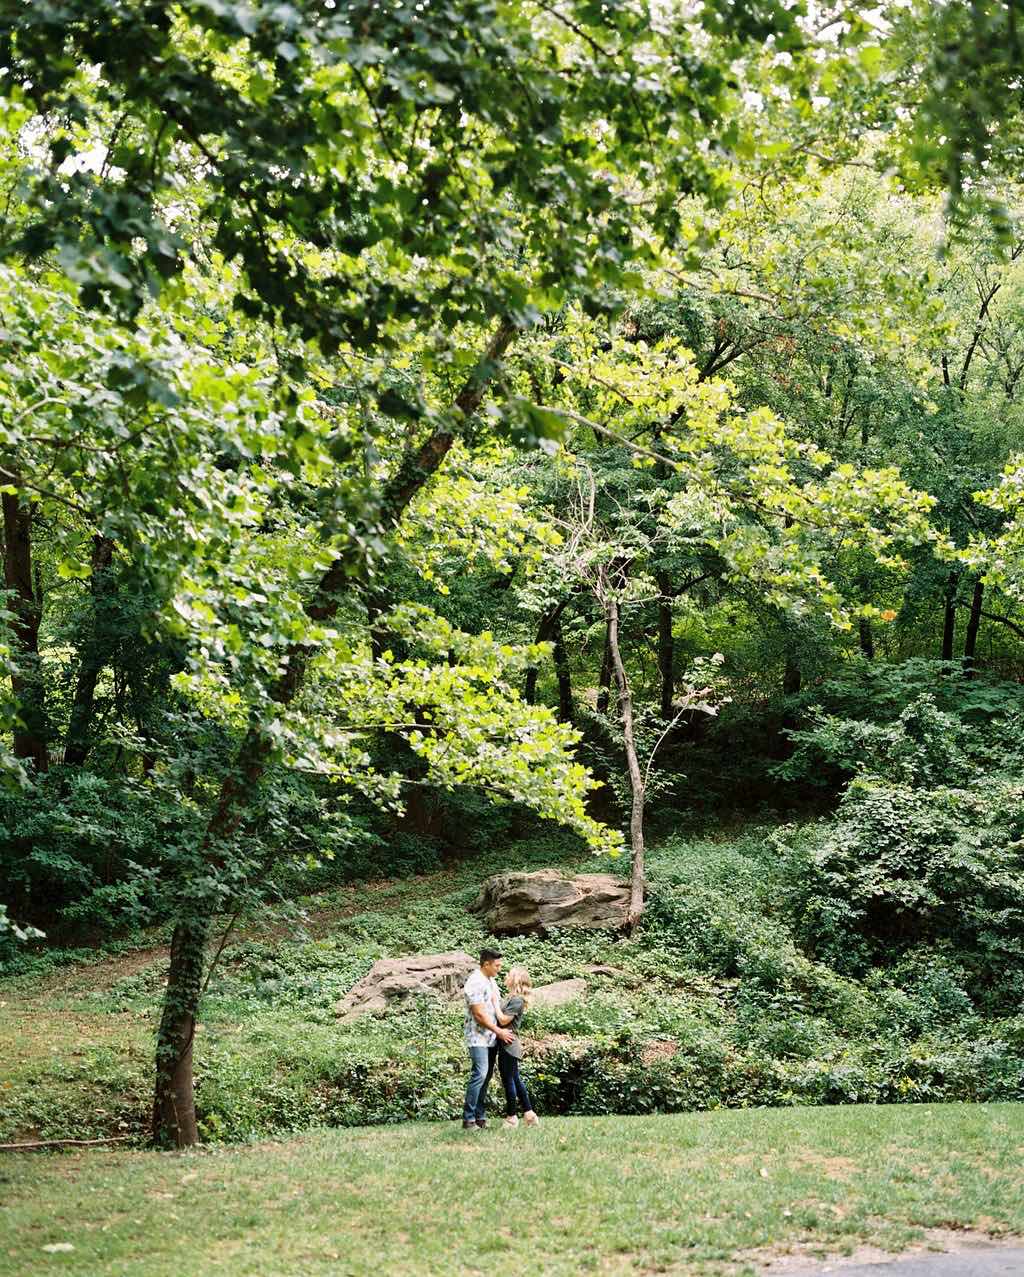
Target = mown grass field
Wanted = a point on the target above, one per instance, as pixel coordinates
(700, 1194)
(706, 1194)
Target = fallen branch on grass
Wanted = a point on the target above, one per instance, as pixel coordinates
(109, 1139)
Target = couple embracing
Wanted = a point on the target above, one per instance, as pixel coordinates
(492, 1033)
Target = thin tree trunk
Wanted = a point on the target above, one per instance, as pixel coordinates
(95, 655)
(792, 677)
(604, 684)
(566, 708)
(636, 782)
(666, 647)
(30, 735)
(949, 618)
(547, 630)
(174, 1104)
(973, 624)
(867, 639)
(792, 681)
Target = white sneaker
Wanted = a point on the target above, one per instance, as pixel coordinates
(512, 1122)
(531, 1118)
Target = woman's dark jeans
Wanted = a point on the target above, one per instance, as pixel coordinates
(515, 1087)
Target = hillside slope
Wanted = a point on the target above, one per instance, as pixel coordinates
(713, 1006)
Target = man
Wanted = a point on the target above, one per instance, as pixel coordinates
(483, 1029)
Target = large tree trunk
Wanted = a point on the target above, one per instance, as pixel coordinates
(173, 1099)
(949, 617)
(95, 653)
(973, 624)
(636, 781)
(32, 732)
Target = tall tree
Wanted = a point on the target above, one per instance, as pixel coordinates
(391, 195)
(31, 734)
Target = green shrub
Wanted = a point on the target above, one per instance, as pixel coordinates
(79, 851)
(926, 849)
(901, 866)
(917, 714)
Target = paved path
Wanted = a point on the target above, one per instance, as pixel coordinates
(1004, 1261)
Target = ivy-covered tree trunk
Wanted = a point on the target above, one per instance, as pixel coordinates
(174, 1120)
(95, 653)
(173, 1099)
(973, 625)
(31, 735)
(376, 606)
(636, 782)
(174, 1106)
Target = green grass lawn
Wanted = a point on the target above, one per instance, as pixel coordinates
(702, 1193)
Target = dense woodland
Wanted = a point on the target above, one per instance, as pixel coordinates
(448, 435)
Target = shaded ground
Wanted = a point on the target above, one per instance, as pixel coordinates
(316, 920)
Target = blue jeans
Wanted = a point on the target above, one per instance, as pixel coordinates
(515, 1087)
(482, 1066)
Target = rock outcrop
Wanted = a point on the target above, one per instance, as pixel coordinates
(554, 995)
(514, 904)
(391, 981)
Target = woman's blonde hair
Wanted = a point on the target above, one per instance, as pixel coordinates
(518, 982)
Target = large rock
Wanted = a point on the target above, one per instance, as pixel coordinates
(555, 995)
(392, 981)
(516, 904)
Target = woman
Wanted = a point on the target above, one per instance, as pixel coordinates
(520, 987)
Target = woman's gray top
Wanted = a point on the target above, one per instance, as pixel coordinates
(516, 1008)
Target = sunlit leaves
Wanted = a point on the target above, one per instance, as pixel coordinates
(779, 510)
(1000, 557)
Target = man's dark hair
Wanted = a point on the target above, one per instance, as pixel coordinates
(488, 955)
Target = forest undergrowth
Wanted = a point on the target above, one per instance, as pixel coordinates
(716, 1000)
